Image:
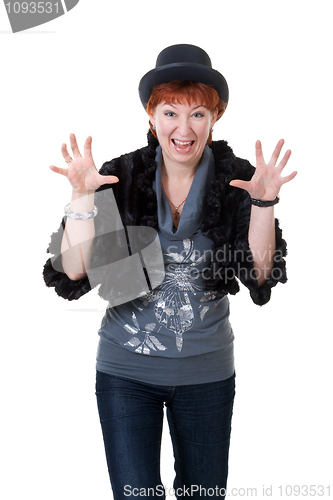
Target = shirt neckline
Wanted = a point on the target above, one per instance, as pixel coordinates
(194, 207)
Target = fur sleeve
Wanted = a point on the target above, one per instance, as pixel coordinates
(242, 256)
(109, 244)
(54, 275)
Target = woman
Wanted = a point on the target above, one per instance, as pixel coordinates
(172, 344)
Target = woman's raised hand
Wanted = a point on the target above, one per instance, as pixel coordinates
(81, 171)
(267, 180)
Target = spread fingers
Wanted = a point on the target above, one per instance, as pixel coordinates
(74, 146)
(65, 153)
(57, 170)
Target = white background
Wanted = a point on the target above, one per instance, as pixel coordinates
(80, 73)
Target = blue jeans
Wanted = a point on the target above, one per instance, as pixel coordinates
(199, 417)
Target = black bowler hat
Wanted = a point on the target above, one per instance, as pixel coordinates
(183, 62)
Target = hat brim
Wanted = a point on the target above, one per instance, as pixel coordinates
(184, 72)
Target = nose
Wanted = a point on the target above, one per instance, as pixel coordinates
(184, 126)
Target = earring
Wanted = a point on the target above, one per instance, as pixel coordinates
(154, 128)
(211, 130)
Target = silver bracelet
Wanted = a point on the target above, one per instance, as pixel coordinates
(78, 216)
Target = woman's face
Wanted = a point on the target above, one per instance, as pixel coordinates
(182, 131)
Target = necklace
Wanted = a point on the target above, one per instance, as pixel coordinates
(176, 214)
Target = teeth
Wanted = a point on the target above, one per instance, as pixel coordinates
(182, 143)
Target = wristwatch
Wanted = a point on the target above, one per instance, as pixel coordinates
(262, 203)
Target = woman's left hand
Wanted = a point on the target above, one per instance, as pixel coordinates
(267, 180)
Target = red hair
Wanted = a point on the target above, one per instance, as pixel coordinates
(190, 92)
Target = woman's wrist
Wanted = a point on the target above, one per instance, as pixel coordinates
(82, 202)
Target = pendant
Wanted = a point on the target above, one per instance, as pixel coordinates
(176, 215)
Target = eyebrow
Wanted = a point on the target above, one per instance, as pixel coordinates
(172, 105)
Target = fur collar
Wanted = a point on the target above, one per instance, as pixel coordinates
(146, 197)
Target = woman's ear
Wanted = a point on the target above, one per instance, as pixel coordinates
(152, 123)
(151, 119)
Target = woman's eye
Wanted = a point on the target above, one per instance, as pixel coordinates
(170, 113)
(198, 115)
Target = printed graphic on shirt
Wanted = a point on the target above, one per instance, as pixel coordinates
(149, 341)
(173, 308)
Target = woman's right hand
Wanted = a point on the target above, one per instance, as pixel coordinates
(81, 171)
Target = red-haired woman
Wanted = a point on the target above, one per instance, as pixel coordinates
(166, 339)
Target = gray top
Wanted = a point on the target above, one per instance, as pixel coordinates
(178, 333)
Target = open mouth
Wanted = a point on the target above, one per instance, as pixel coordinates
(182, 146)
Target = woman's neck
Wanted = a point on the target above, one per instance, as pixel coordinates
(178, 171)
(176, 183)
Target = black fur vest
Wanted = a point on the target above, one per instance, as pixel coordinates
(226, 221)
